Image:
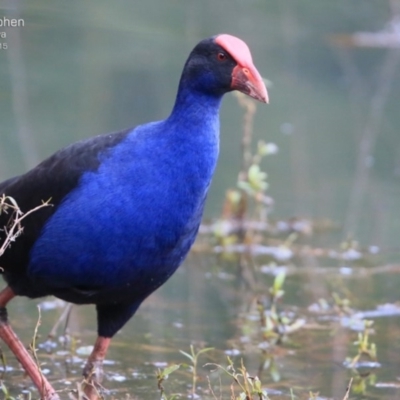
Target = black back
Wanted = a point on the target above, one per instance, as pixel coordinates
(51, 180)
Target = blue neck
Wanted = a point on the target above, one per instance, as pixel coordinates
(199, 109)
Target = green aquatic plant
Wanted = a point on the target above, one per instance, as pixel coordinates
(162, 375)
(362, 382)
(248, 386)
(6, 393)
(363, 344)
(276, 325)
(341, 304)
(193, 356)
(248, 201)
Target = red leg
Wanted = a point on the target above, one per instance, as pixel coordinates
(94, 364)
(11, 339)
(93, 371)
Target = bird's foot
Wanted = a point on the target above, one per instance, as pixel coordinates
(92, 390)
(93, 371)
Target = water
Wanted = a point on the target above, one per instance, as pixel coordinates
(217, 310)
(89, 68)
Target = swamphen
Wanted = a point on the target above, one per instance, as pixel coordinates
(126, 206)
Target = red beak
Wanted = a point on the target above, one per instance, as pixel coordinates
(245, 76)
(248, 80)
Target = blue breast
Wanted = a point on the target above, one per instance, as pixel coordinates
(132, 222)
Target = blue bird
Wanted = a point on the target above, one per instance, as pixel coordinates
(126, 206)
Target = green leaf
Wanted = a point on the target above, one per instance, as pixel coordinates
(169, 370)
(257, 385)
(279, 280)
(204, 350)
(257, 178)
(189, 356)
(246, 187)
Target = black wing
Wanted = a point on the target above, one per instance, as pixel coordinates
(51, 180)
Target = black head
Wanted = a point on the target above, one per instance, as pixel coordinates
(220, 64)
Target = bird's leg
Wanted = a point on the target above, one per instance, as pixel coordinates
(12, 341)
(93, 370)
(94, 365)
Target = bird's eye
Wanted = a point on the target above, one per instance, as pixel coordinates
(221, 57)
